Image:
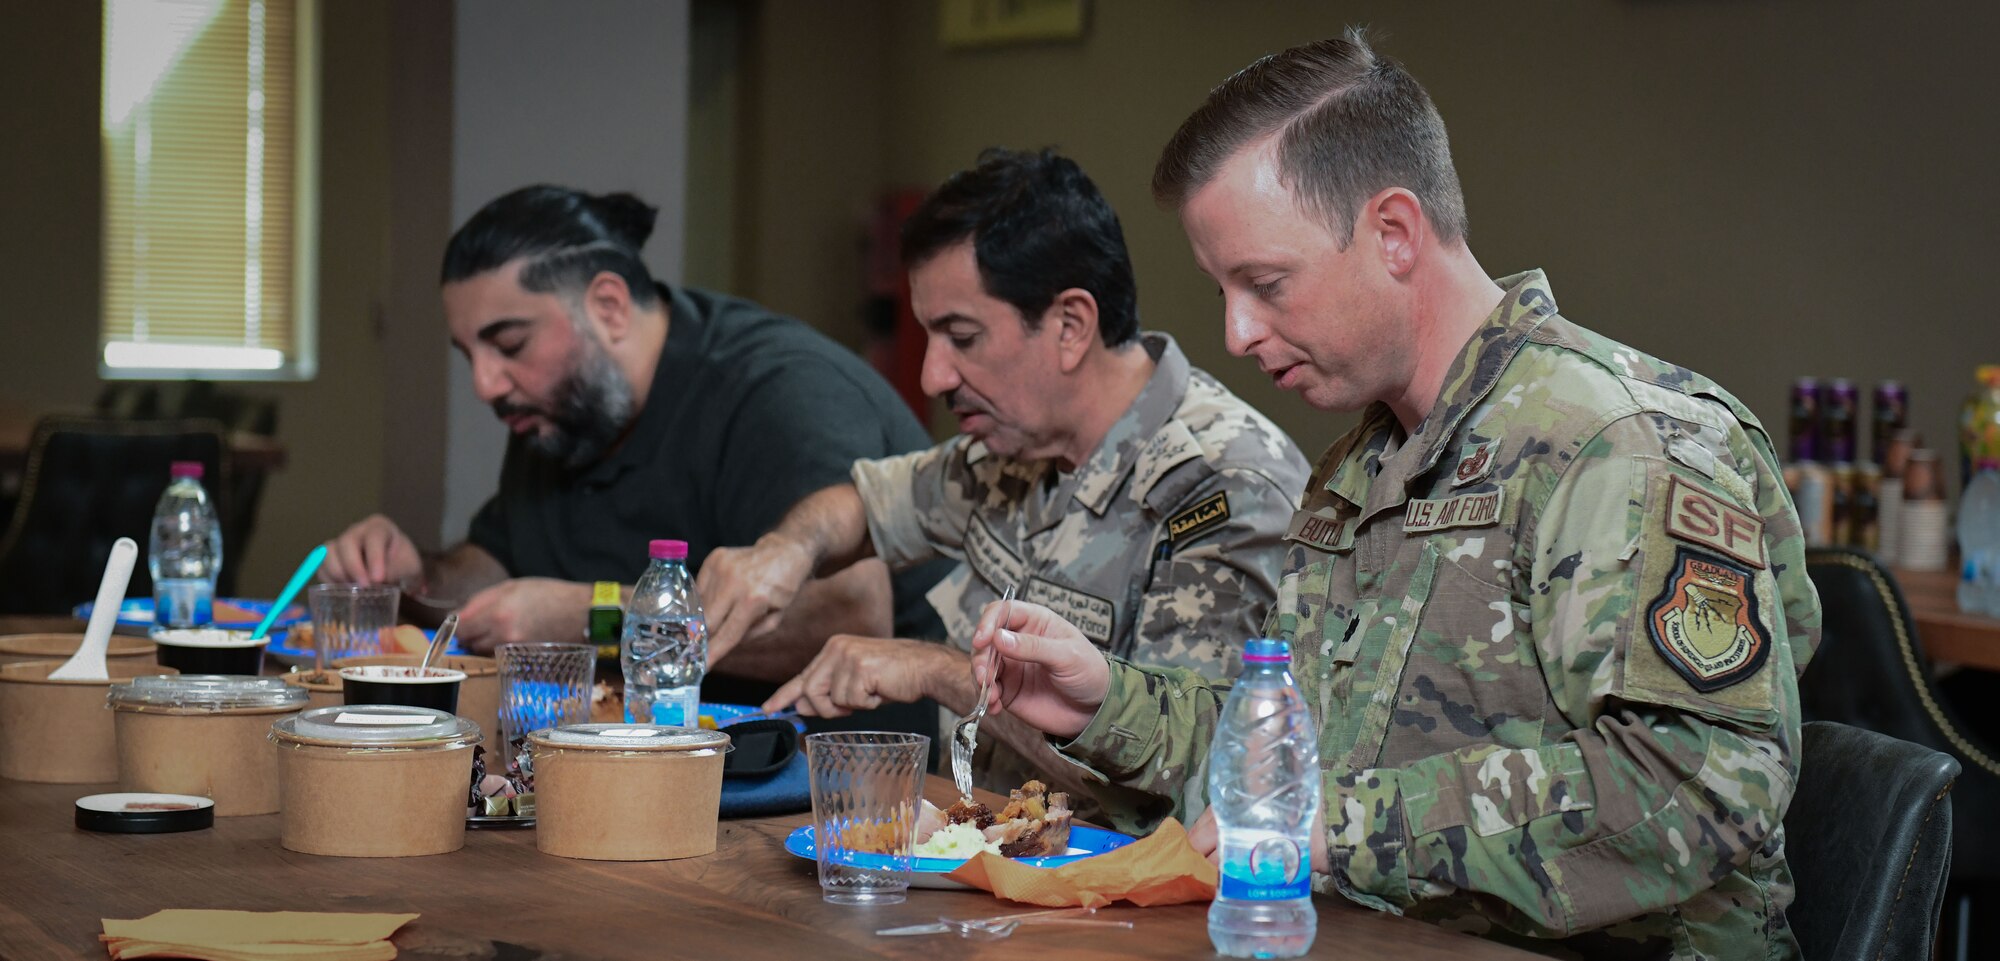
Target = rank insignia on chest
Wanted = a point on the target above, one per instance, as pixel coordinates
(1704, 622)
(1475, 462)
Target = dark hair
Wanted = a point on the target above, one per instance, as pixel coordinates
(1038, 227)
(567, 235)
(1350, 123)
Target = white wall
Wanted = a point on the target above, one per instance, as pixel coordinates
(590, 95)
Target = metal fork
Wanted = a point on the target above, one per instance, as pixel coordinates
(965, 736)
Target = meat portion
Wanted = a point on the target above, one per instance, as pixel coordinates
(966, 811)
(1034, 824)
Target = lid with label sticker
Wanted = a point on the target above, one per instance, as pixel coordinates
(144, 813)
(376, 725)
(632, 737)
(206, 694)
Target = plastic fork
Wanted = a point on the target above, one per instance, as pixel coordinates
(965, 736)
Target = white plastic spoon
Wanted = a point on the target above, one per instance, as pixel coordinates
(87, 664)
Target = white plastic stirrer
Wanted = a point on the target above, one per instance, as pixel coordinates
(87, 664)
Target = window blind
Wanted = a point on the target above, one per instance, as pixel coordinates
(207, 132)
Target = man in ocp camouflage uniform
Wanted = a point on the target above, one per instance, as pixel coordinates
(1547, 602)
(1099, 473)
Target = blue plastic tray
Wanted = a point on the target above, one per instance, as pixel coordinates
(1084, 842)
(138, 612)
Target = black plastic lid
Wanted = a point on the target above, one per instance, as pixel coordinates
(144, 813)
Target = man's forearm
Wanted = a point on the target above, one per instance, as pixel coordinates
(452, 576)
(856, 600)
(832, 525)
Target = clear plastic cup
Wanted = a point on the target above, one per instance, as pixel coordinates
(541, 686)
(865, 791)
(351, 620)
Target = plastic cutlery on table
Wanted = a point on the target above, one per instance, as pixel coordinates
(299, 578)
(995, 928)
(87, 664)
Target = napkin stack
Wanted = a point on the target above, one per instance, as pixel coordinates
(1160, 869)
(255, 936)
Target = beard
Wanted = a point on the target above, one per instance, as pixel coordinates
(592, 407)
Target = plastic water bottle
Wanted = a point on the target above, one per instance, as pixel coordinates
(664, 645)
(1264, 786)
(1979, 542)
(184, 552)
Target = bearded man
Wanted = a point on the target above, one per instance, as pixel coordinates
(638, 411)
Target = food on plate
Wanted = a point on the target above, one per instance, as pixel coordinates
(875, 837)
(404, 639)
(606, 707)
(956, 841)
(1034, 824)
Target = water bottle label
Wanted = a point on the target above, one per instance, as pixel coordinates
(1274, 870)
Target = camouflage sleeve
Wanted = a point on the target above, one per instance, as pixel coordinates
(1208, 590)
(1655, 615)
(1151, 734)
(917, 503)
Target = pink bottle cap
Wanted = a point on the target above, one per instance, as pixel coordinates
(668, 550)
(185, 468)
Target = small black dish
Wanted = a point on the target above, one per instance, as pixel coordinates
(759, 748)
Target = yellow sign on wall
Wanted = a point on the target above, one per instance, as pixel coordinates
(981, 23)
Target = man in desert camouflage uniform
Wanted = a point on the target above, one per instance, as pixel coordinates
(1153, 520)
(1548, 610)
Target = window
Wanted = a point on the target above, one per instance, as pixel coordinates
(209, 131)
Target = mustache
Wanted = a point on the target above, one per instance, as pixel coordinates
(503, 409)
(960, 403)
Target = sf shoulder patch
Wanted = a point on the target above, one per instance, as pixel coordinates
(1705, 623)
(1203, 517)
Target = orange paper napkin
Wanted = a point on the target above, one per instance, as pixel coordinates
(255, 935)
(1161, 869)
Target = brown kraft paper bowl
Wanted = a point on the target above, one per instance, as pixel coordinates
(60, 732)
(478, 696)
(323, 691)
(638, 798)
(15, 648)
(213, 744)
(348, 797)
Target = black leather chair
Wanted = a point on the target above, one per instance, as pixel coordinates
(1868, 837)
(89, 482)
(203, 400)
(1870, 671)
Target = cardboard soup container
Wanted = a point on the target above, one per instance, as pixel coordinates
(478, 696)
(627, 792)
(203, 734)
(374, 780)
(16, 648)
(60, 732)
(322, 690)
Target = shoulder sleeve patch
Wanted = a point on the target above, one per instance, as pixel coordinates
(1699, 517)
(1206, 515)
(1704, 622)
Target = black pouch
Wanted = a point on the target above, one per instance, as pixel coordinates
(760, 748)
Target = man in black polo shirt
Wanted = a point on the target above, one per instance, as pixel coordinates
(637, 412)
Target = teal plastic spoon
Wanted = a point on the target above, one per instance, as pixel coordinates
(299, 579)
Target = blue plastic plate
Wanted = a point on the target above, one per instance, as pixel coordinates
(724, 713)
(1084, 842)
(138, 612)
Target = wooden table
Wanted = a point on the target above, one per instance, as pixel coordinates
(501, 898)
(1947, 633)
